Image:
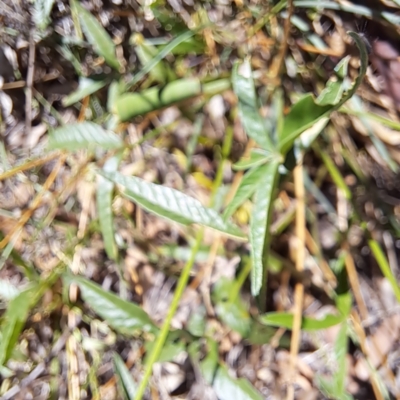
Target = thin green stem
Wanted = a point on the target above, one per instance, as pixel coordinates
(183, 280)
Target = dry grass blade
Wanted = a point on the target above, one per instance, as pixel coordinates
(299, 288)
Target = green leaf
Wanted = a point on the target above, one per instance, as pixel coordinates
(86, 88)
(302, 116)
(171, 204)
(232, 313)
(84, 135)
(98, 37)
(41, 13)
(115, 90)
(171, 349)
(196, 324)
(331, 94)
(250, 117)
(228, 388)
(259, 223)
(249, 184)
(344, 302)
(209, 364)
(307, 111)
(104, 207)
(125, 380)
(263, 334)
(130, 105)
(14, 321)
(384, 266)
(124, 316)
(285, 320)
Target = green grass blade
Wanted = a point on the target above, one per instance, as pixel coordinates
(85, 135)
(335, 174)
(384, 266)
(171, 204)
(259, 224)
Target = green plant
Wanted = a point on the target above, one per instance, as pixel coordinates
(278, 139)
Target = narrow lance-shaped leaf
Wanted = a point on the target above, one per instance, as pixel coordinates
(125, 381)
(249, 184)
(171, 204)
(250, 117)
(104, 207)
(85, 135)
(122, 315)
(98, 37)
(260, 222)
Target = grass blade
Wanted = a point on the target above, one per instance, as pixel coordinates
(384, 266)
